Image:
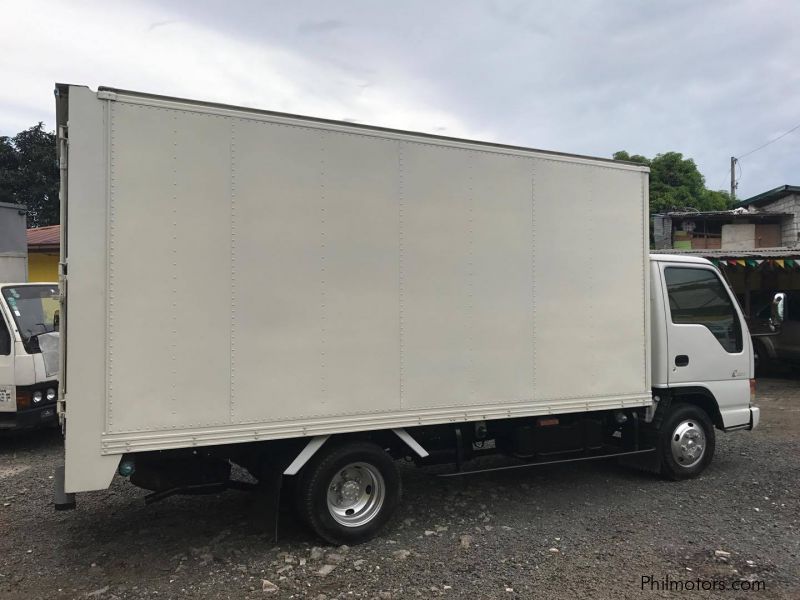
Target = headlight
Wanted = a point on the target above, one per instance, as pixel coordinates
(37, 397)
(51, 394)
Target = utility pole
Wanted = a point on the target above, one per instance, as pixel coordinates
(733, 179)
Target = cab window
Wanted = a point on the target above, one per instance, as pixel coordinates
(698, 297)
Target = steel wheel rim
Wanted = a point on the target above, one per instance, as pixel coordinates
(356, 494)
(688, 443)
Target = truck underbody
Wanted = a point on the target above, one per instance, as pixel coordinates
(277, 469)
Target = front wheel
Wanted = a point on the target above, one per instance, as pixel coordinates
(347, 493)
(686, 442)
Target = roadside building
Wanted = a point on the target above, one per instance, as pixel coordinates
(43, 252)
(756, 244)
(13, 255)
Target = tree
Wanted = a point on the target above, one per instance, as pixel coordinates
(29, 174)
(677, 184)
(636, 158)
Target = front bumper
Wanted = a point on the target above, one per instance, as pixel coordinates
(30, 418)
(755, 415)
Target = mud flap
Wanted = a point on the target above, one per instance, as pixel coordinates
(649, 462)
(268, 498)
(63, 500)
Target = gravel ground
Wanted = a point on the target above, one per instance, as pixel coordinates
(590, 530)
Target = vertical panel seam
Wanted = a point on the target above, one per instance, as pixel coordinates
(590, 273)
(533, 276)
(323, 276)
(232, 388)
(174, 308)
(111, 139)
(645, 268)
(471, 277)
(401, 266)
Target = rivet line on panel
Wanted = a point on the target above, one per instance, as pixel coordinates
(232, 389)
(401, 265)
(174, 340)
(323, 291)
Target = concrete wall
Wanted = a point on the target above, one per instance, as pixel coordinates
(662, 232)
(13, 243)
(12, 229)
(738, 237)
(790, 227)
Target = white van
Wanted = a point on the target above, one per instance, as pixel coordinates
(29, 359)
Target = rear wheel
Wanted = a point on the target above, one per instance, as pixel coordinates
(347, 493)
(686, 442)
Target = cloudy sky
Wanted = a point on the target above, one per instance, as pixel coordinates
(709, 79)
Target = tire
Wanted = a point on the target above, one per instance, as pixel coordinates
(761, 359)
(347, 493)
(686, 442)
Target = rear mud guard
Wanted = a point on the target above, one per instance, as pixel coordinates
(62, 500)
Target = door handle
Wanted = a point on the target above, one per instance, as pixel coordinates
(681, 360)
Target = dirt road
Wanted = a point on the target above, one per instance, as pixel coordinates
(576, 531)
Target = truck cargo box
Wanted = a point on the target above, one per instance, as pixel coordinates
(242, 275)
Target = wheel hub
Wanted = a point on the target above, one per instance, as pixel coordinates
(350, 492)
(356, 494)
(688, 443)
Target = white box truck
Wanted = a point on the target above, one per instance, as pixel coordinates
(313, 300)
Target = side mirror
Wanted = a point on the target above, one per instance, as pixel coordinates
(777, 310)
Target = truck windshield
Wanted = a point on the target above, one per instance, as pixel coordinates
(34, 309)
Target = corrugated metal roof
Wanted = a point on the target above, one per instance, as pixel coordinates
(44, 237)
(725, 214)
(769, 196)
(696, 213)
(754, 253)
(714, 215)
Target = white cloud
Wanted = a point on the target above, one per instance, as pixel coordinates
(707, 79)
(151, 49)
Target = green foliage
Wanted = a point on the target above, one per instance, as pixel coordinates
(636, 158)
(29, 174)
(677, 184)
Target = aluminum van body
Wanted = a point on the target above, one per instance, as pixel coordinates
(313, 299)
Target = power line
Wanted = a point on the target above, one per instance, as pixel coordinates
(736, 162)
(721, 186)
(783, 135)
(735, 159)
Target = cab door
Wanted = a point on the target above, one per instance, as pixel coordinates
(8, 399)
(707, 341)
